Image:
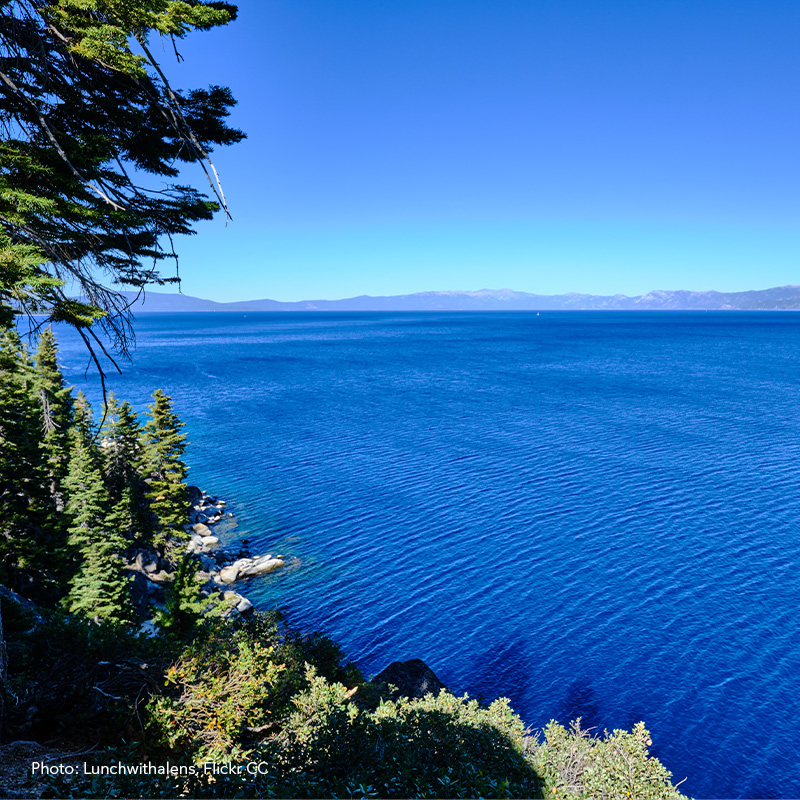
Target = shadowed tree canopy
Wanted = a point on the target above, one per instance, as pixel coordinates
(93, 139)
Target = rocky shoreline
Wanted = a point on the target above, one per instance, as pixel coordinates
(219, 566)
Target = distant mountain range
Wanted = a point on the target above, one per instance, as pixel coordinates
(779, 298)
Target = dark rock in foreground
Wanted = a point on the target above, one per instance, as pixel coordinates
(412, 678)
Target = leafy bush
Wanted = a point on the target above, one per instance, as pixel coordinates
(574, 764)
(233, 685)
(254, 691)
(440, 746)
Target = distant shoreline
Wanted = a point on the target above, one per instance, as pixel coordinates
(537, 311)
(784, 298)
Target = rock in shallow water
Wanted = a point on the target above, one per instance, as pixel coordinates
(257, 566)
(229, 574)
(412, 678)
(201, 530)
(244, 605)
(248, 567)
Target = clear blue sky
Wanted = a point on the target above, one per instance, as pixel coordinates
(546, 146)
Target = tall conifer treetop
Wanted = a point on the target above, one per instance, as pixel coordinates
(83, 419)
(24, 499)
(87, 498)
(86, 114)
(121, 451)
(164, 445)
(55, 405)
(100, 586)
(54, 396)
(121, 448)
(164, 442)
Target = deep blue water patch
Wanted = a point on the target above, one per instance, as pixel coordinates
(593, 514)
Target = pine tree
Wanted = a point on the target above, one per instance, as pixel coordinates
(164, 444)
(24, 551)
(87, 497)
(99, 587)
(87, 113)
(185, 607)
(121, 453)
(82, 418)
(119, 440)
(55, 412)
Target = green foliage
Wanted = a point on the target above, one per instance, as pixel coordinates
(164, 444)
(225, 688)
(440, 746)
(234, 683)
(186, 607)
(82, 420)
(21, 274)
(26, 547)
(130, 516)
(616, 766)
(87, 498)
(103, 35)
(101, 588)
(121, 453)
(87, 114)
(121, 446)
(55, 410)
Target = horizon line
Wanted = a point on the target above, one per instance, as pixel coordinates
(471, 292)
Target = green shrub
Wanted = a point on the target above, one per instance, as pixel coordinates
(252, 690)
(433, 747)
(617, 766)
(233, 685)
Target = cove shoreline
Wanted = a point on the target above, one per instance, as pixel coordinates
(219, 567)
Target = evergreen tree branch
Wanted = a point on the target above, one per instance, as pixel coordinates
(217, 189)
(51, 136)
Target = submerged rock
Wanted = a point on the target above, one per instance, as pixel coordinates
(225, 525)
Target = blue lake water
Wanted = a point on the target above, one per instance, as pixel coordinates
(593, 514)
